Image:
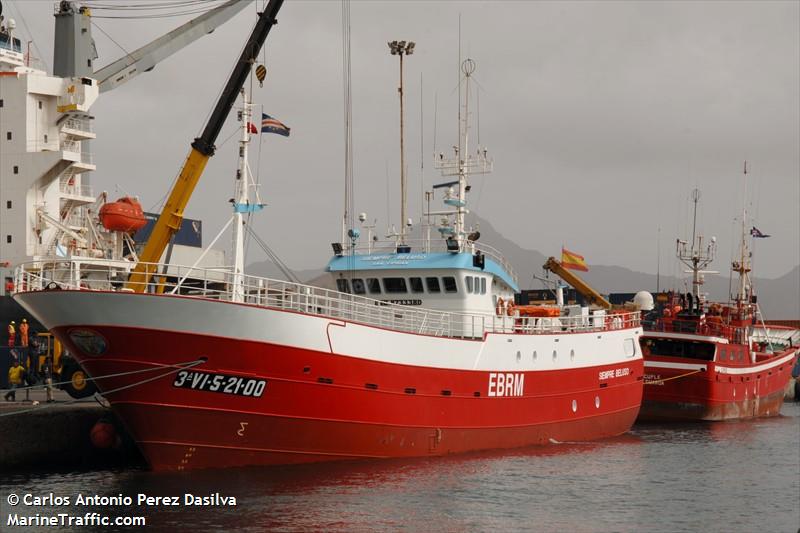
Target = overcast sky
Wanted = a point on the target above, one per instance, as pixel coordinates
(601, 117)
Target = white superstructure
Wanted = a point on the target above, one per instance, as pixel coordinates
(47, 209)
(44, 205)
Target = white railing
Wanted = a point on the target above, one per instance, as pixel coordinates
(73, 188)
(434, 245)
(215, 284)
(71, 146)
(78, 125)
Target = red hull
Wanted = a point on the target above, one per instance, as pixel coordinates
(321, 406)
(713, 393)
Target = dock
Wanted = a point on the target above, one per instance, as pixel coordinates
(37, 434)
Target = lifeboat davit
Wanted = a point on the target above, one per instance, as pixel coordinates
(123, 215)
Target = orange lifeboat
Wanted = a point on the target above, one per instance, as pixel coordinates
(538, 311)
(123, 215)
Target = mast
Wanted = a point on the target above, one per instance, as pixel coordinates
(241, 203)
(468, 68)
(695, 255)
(464, 164)
(743, 265)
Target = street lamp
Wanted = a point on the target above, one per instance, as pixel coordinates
(401, 48)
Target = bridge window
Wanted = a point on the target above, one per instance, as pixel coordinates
(395, 285)
(722, 354)
(416, 285)
(449, 284)
(374, 285)
(358, 286)
(343, 285)
(470, 284)
(483, 285)
(433, 284)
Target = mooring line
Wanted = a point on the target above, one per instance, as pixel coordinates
(158, 366)
(175, 368)
(658, 381)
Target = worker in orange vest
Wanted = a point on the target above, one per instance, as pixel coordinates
(23, 333)
(12, 333)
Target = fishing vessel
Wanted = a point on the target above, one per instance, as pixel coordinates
(419, 351)
(714, 361)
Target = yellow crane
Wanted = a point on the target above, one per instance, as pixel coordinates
(169, 222)
(591, 295)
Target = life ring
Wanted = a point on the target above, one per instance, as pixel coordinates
(500, 306)
(510, 308)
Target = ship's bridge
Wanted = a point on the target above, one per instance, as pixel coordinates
(463, 281)
(10, 43)
(10, 46)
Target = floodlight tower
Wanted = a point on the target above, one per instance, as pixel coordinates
(401, 48)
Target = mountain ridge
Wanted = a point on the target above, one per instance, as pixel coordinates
(779, 298)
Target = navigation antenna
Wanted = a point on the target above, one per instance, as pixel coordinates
(742, 266)
(462, 165)
(696, 255)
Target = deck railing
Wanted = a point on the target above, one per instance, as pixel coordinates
(696, 327)
(217, 284)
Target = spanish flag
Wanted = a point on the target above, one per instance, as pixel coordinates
(573, 261)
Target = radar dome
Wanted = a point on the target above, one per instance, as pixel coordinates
(643, 300)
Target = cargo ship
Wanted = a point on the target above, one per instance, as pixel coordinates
(711, 360)
(419, 349)
(48, 211)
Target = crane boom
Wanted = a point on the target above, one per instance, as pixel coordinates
(169, 221)
(145, 58)
(591, 295)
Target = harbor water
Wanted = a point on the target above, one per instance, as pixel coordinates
(728, 476)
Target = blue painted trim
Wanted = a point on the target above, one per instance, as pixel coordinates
(417, 261)
(247, 208)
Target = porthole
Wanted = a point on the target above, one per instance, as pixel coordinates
(88, 341)
(519, 355)
(555, 355)
(574, 406)
(535, 355)
(597, 402)
(572, 355)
